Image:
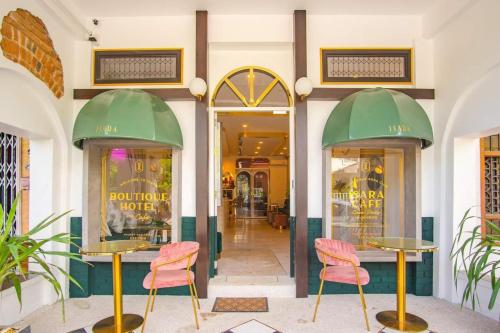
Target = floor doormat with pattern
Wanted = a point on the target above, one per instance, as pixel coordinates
(240, 304)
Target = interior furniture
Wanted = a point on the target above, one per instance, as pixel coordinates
(280, 220)
(401, 320)
(341, 265)
(172, 268)
(119, 322)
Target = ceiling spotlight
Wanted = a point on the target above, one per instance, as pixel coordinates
(260, 142)
(281, 153)
(258, 147)
(255, 152)
(244, 125)
(285, 148)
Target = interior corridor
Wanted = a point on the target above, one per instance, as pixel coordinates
(254, 247)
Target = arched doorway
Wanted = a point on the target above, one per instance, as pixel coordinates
(252, 109)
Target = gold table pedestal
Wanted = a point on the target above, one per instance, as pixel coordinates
(119, 323)
(401, 320)
(129, 323)
(411, 323)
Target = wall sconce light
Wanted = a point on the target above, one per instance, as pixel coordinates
(198, 87)
(303, 87)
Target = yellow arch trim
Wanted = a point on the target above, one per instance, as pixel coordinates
(253, 102)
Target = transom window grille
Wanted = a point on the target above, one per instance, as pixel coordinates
(366, 65)
(251, 86)
(490, 181)
(8, 174)
(138, 66)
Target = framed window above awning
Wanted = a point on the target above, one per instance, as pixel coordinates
(376, 114)
(127, 114)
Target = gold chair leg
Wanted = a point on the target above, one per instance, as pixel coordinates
(363, 303)
(154, 298)
(318, 299)
(196, 294)
(146, 312)
(194, 306)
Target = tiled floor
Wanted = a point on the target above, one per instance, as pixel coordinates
(337, 313)
(253, 247)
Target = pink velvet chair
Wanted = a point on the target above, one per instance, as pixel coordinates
(172, 268)
(341, 265)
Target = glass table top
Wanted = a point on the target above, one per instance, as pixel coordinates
(402, 244)
(114, 247)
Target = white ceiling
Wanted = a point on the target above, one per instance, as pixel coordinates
(264, 135)
(107, 8)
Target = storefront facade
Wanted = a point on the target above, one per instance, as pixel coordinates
(290, 45)
(279, 53)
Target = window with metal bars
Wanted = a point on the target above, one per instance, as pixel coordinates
(490, 181)
(366, 66)
(8, 174)
(140, 66)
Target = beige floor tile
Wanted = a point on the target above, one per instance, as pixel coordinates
(253, 247)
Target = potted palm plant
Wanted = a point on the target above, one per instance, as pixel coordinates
(476, 255)
(16, 250)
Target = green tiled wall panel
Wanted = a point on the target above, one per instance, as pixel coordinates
(79, 270)
(424, 270)
(188, 228)
(97, 279)
(382, 274)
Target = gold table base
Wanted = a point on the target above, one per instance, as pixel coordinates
(129, 323)
(412, 323)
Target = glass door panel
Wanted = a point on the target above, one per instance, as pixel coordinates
(260, 193)
(252, 193)
(243, 199)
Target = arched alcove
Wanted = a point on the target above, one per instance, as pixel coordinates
(475, 114)
(26, 110)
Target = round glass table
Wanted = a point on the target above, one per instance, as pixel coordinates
(119, 322)
(401, 320)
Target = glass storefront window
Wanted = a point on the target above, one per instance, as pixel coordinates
(367, 194)
(136, 200)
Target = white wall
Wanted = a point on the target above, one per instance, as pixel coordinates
(140, 32)
(344, 31)
(467, 85)
(28, 108)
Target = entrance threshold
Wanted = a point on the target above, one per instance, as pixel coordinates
(280, 286)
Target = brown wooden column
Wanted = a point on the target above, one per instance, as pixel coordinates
(301, 257)
(201, 128)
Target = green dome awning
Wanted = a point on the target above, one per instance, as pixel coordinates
(127, 114)
(375, 114)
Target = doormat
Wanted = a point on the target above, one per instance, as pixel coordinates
(240, 304)
(252, 326)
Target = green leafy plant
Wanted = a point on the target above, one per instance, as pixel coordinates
(477, 255)
(15, 251)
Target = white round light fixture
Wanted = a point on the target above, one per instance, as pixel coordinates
(198, 87)
(303, 87)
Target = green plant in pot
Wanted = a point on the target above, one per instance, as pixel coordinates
(477, 256)
(16, 250)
